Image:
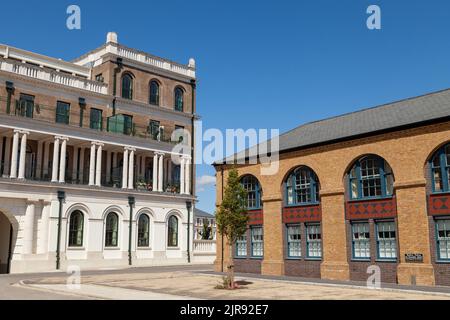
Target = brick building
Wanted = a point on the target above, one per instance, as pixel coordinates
(89, 172)
(366, 188)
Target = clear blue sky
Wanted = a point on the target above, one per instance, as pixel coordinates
(261, 64)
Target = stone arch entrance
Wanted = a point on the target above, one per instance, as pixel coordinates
(6, 237)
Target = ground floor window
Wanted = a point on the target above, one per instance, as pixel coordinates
(386, 240)
(112, 230)
(313, 241)
(143, 231)
(76, 225)
(294, 249)
(257, 241)
(361, 240)
(443, 239)
(241, 246)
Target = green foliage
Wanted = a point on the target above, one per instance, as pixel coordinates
(231, 215)
(206, 232)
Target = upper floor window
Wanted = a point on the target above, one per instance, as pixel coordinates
(62, 112)
(302, 186)
(440, 167)
(179, 99)
(76, 225)
(25, 106)
(112, 230)
(251, 185)
(172, 232)
(154, 92)
(127, 86)
(96, 121)
(371, 177)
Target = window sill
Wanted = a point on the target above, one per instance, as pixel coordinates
(241, 257)
(387, 260)
(257, 258)
(293, 258)
(144, 249)
(305, 204)
(313, 259)
(443, 261)
(76, 248)
(111, 248)
(173, 248)
(359, 260)
(370, 198)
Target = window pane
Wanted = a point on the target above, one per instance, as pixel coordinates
(62, 112)
(361, 240)
(143, 231)
(112, 228)
(127, 87)
(96, 119)
(173, 232)
(76, 229)
(154, 93)
(251, 185)
(313, 241)
(241, 246)
(386, 240)
(179, 99)
(443, 239)
(294, 241)
(257, 241)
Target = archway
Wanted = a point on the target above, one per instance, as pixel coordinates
(6, 232)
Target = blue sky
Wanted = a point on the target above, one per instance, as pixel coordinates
(260, 64)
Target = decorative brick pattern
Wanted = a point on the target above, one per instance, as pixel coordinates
(439, 204)
(311, 213)
(371, 209)
(255, 217)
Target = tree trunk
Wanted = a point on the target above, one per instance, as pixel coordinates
(231, 267)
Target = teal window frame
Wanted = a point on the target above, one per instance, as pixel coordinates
(442, 238)
(127, 86)
(257, 241)
(440, 167)
(154, 131)
(361, 240)
(154, 93)
(76, 229)
(62, 112)
(252, 186)
(379, 175)
(143, 231)
(112, 230)
(241, 247)
(302, 187)
(96, 119)
(25, 106)
(179, 99)
(294, 241)
(386, 242)
(314, 241)
(172, 231)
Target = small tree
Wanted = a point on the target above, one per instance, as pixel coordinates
(206, 232)
(231, 217)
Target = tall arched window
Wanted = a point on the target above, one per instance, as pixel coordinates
(127, 86)
(172, 232)
(440, 169)
(371, 177)
(179, 100)
(112, 230)
(302, 186)
(143, 231)
(76, 226)
(251, 185)
(154, 92)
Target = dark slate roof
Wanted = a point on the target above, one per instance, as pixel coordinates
(201, 213)
(409, 112)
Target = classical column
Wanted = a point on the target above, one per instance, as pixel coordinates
(169, 171)
(182, 162)
(7, 157)
(160, 172)
(92, 165)
(39, 160)
(62, 161)
(125, 169)
(188, 176)
(45, 161)
(108, 166)
(75, 164)
(98, 169)
(1, 149)
(28, 230)
(131, 170)
(23, 153)
(155, 172)
(81, 166)
(55, 160)
(15, 150)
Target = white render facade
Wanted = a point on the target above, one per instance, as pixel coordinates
(133, 194)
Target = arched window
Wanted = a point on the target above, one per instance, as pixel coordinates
(179, 100)
(143, 231)
(251, 185)
(154, 92)
(172, 232)
(302, 186)
(76, 226)
(371, 177)
(440, 169)
(112, 230)
(127, 86)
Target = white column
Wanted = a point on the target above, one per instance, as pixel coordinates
(28, 231)
(114, 163)
(39, 159)
(1, 147)
(81, 161)
(55, 160)
(108, 166)
(75, 164)
(125, 170)
(98, 169)
(23, 153)
(160, 172)
(45, 161)
(182, 162)
(169, 171)
(188, 177)
(6, 168)
(15, 150)
(92, 165)
(131, 170)
(155, 172)
(62, 161)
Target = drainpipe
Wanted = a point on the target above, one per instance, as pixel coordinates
(116, 71)
(61, 198)
(194, 86)
(131, 202)
(189, 206)
(10, 90)
(82, 104)
(221, 168)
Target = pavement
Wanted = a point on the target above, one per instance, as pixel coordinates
(197, 282)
